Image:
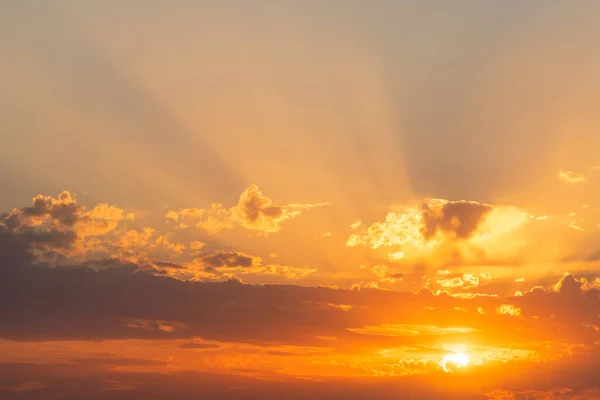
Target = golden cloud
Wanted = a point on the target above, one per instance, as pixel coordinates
(62, 225)
(254, 211)
(508, 309)
(443, 231)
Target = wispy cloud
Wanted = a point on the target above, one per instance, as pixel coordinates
(567, 176)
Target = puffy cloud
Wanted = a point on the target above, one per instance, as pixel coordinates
(254, 211)
(567, 176)
(398, 229)
(460, 219)
(60, 226)
(417, 227)
(442, 231)
(61, 232)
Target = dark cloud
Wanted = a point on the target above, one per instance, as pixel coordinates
(38, 302)
(63, 208)
(227, 259)
(461, 218)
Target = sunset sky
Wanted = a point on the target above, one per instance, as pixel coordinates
(273, 199)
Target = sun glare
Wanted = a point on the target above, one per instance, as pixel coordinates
(454, 361)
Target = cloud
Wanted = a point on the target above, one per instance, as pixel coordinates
(417, 227)
(398, 229)
(567, 176)
(451, 283)
(60, 232)
(135, 245)
(220, 265)
(221, 259)
(58, 227)
(443, 232)
(508, 309)
(254, 211)
(38, 302)
(457, 218)
(63, 213)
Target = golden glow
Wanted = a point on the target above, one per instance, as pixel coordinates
(454, 361)
(508, 309)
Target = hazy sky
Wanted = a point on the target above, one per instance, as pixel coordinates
(412, 177)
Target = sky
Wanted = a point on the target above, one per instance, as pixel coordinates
(299, 199)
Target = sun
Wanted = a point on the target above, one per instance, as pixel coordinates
(453, 361)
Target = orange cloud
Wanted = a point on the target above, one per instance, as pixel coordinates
(254, 211)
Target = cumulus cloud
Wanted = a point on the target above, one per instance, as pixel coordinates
(567, 176)
(441, 230)
(254, 211)
(63, 213)
(457, 218)
(60, 232)
(417, 227)
(60, 226)
(398, 229)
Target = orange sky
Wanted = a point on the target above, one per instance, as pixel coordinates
(299, 199)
